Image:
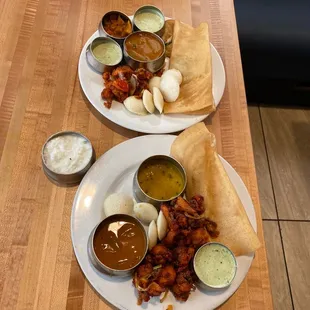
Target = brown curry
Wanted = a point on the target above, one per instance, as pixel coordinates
(119, 244)
(144, 46)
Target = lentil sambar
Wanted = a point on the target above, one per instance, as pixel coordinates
(160, 179)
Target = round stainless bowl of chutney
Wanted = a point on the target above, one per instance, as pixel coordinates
(104, 54)
(215, 266)
(149, 18)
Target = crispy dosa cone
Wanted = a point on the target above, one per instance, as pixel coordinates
(191, 56)
(195, 150)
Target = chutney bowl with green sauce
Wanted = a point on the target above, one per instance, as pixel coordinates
(104, 54)
(159, 179)
(153, 20)
(215, 266)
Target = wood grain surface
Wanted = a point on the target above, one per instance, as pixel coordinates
(40, 94)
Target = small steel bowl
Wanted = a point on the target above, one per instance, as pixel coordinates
(94, 62)
(150, 65)
(209, 287)
(103, 33)
(154, 10)
(141, 196)
(95, 260)
(66, 179)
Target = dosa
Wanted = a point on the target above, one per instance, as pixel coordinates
(206, 176)
(191, 56)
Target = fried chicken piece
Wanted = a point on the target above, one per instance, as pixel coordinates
(181, 239)
(183, 206)
(181, 220)
(155, 289)
(149, 259)
(106, 76)
(198, 237)
(182, 256)
(140, 87)
(142, 297)
(183, 286)
(123, 73)
(143, 74)
(161, 254)
(119, 95)
(144, 270)
(166, 276)
(170, 238)
(172, 224)
(107, 95)
(196, 223)
(197, 204)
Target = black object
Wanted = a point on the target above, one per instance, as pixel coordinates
(274, 39)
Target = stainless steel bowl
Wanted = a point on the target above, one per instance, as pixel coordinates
(154, 10)
(203, 284)
(150, 65)
(95, 260)
(94, 62)
(66, 179)
(141, 196)
(103, 33)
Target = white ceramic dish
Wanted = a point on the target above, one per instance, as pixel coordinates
(92, 85)
(113, 172)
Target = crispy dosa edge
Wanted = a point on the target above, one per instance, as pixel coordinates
(195, 65)
(195, 98)
(207, 176)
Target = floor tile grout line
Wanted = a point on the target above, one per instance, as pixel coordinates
(287, 220)
(275, 202)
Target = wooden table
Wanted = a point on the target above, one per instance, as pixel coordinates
(40, 94)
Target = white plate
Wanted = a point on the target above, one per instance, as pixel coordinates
(92, 85)
(113, 172)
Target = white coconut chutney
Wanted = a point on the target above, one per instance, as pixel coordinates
(215, 265)
(67, 154)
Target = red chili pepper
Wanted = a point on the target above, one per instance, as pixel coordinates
(121, 85)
